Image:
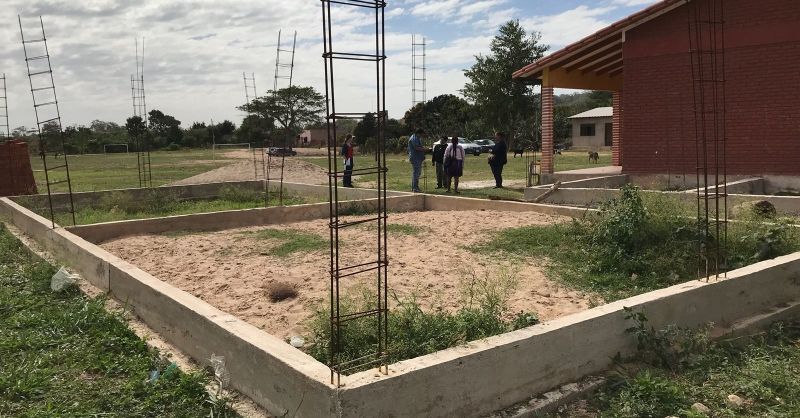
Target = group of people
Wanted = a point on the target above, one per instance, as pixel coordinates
(449, 158)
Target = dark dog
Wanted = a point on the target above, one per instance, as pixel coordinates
(594, 157)
(520, 151)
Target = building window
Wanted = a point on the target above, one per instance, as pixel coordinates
(587, 129)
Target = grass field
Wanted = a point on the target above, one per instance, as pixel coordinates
(63, 354)
(119, 206)
(118, 171)
(475, 169)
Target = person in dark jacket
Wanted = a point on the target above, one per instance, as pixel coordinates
(438, 162)
(499, 158)
(347, 155)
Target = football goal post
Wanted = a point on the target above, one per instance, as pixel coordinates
(115, 148)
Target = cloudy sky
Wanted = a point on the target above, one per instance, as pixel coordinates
(196, 50)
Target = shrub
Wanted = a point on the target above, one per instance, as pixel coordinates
(172, 147)
(414, 331)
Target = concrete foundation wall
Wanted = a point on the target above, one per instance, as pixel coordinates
(280, 378)
(216, 221)
(488, 375)
(196, 192)
(470, 380)
(448, 203)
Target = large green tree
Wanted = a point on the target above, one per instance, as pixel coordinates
(505, 103)
(165, 128)
(291, 108)
(444, 115)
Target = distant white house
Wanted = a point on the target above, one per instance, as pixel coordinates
(592, 130)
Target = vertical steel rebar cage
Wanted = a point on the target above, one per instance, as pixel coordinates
(48, 115)
(250, 93)
(283, 71)
(707, 49)
(375, 314)
(142, 141)
(5, 128)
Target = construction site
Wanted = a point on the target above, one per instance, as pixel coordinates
(306, 289)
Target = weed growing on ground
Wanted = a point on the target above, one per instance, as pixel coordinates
(638, 243)
(290, 241)
(762, 371)
(63, 354)
(416, 331)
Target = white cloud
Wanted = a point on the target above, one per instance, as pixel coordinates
(634, 2)
(569, 26)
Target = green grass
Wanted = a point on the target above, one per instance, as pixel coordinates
(65, 355)
(118, 171)
(475, 169)
(120, 205)
(762, 371)
(288, 241)
(637, 243)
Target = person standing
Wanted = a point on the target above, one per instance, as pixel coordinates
(347, 155)
(416, 156)
(454, 163)
(438, 162)
(498, 159)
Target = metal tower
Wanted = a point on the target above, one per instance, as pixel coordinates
(419, 81)
(707, 50)
(48, 116)
(141, 139)
(283, 71)
(377, 314)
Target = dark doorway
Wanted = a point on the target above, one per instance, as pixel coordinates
(609, 134)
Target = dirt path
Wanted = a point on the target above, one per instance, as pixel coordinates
(232, 269)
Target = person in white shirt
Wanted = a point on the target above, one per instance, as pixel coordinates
(454, 163)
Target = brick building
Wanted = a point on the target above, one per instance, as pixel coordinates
(16, 174)
(645, 61)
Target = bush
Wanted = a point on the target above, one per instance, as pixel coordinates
(640, 242)
(172, 147)
(414, 331)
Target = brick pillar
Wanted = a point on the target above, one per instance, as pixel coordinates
(547, 130)
(616, 141)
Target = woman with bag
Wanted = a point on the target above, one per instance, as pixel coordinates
(454, 163)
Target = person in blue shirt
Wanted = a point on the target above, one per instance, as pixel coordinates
(416, 156)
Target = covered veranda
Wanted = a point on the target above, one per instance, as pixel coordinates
(593, 63)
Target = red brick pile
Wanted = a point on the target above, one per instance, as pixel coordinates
(16, 174)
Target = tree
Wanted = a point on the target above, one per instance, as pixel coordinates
(503, 102)
(444, 115)
(255, 128)
(291, 109)
(166, 128)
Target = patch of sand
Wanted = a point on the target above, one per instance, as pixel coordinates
(294, 171)
(229, 269)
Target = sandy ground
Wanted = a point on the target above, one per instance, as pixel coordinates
(294, 170)
(229, 269)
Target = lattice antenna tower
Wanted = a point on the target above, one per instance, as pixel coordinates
(284, 73)
(142, 141)
(374, 316)
(419, 84)
(5, 128)
(419, 81)
(707, 50)
(48, 116)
